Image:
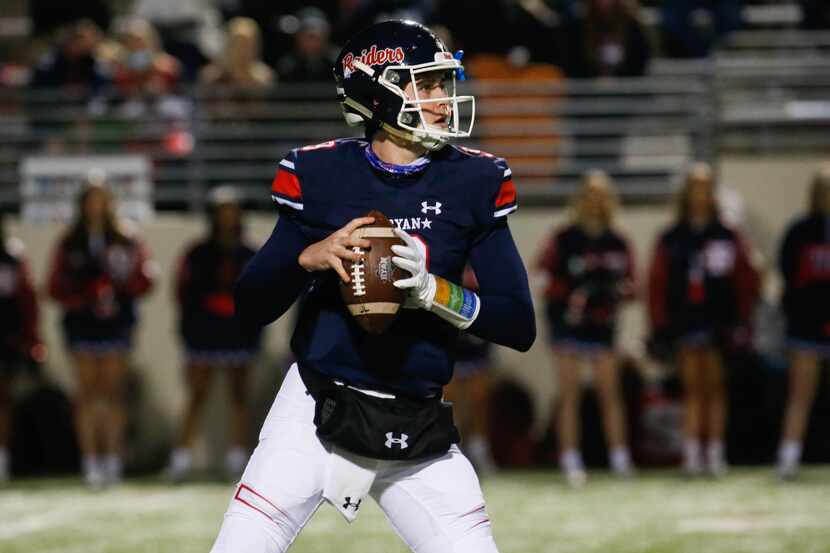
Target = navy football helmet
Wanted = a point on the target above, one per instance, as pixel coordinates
(375, 67)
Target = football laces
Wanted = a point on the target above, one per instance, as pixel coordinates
(358, 275)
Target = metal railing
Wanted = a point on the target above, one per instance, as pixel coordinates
(642, 131)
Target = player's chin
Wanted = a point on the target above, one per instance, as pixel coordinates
(439, 126)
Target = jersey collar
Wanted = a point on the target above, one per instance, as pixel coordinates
(409, 169)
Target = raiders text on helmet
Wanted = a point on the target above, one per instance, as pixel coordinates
(375, 67)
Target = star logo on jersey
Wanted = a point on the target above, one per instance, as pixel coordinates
(412, 223)
(435, 208)
(392, 440)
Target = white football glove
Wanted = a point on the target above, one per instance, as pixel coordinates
(413, 258)
(453, 303)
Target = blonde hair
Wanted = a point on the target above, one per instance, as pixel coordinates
(142, 28)
(595, 179)
(240, 27)
(699, 171)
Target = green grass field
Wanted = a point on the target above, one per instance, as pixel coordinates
(659, 512)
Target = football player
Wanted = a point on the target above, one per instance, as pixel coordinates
(99, 270)
(361, 415)
(702, 291)
(20, 344)
(590, 270)
(805, 265)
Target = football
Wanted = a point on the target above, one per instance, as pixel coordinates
(370, 296)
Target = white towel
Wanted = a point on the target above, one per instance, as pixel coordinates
(348, 480)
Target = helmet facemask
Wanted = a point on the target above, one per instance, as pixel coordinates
(411, 124)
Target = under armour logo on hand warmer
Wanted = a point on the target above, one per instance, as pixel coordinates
(391, 440)
(349, 505)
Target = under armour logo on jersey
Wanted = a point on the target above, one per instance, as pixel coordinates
(392, 440)
(349, 505)
(426, 208)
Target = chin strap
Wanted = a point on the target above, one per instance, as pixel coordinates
(428, 142)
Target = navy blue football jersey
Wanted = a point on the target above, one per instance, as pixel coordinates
(455, 201)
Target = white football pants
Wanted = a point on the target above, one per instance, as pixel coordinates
(435, 506)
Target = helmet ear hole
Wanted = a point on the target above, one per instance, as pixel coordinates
(393, 77)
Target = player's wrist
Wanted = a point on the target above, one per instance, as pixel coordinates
(453, 303)
(309, 259)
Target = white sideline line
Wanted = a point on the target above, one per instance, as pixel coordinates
(83, 507)
(740, 525)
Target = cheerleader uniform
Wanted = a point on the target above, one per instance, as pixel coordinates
(18, 304)
(588, 278)
(805, 265)
(97, 280)
(210, 333)
(703, 286)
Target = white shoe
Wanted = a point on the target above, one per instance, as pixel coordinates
(787, 471)
(625, 473)
(717, 469)
(95, 479)
(693, 469)
(478, 451)
(181, 463)
(235, 460)
(576, 478)
(113, 469)
(4, 466)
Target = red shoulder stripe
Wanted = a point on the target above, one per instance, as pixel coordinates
(507, 194)
(286, 184)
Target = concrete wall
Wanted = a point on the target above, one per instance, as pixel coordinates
(773, 190)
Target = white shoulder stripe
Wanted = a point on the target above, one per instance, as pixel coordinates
(289, 203)
(286, 163)
(505, 211)
(507, 172)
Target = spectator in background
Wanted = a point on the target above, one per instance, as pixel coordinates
(805, 265)
(143, 72)
(212, 340)
(72, 66)
(20, 344)
(73, 71)
(99, 269)
(590, 270)
(469, 391)
(691, 28)
(702, 292)
(240, 66)
(605, 39)
(311, 58)
(189, 30)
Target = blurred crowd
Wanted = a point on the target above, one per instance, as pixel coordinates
(702, 290)
(150, 45)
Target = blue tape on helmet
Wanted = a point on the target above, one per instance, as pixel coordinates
(459, 73)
